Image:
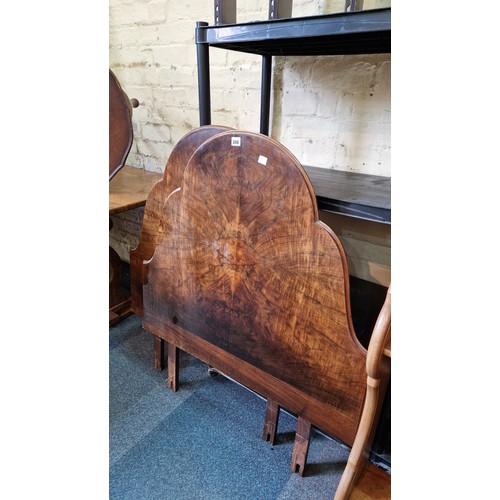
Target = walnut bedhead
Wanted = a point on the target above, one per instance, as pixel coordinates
(235, 268)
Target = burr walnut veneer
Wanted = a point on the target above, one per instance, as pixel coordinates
(153, 223)
(236, 269)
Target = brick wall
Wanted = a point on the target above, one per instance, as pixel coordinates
(331, 112)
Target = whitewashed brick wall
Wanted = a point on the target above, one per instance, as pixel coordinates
(331, 112)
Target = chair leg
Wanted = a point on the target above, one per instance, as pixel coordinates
(301, 446)
(271, 421)
(359, 452)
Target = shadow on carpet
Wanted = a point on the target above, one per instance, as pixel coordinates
(204, 441)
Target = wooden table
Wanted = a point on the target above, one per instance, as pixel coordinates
(128, 189)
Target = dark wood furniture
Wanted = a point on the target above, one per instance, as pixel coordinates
(245, 277)
(125, 192)
(120, 142)
(120, 125)
(128, 189)
(349, 193)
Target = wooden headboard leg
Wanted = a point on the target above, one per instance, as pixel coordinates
(301, 446)
(271, 421)
(159, 353)
(173, 367)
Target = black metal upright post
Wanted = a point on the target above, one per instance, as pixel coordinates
(265, 94)
(203, 60)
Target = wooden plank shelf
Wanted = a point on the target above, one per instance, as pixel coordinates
(349, 193)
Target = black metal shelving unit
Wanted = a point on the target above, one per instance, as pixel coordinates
(360, 32)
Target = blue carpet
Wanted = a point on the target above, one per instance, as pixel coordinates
(204, 441)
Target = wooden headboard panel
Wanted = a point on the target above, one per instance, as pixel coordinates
(153, 223)
(250, 281)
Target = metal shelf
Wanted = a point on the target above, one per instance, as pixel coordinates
(350, 193)
(361, 32)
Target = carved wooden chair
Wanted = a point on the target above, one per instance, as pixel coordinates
(239, 272)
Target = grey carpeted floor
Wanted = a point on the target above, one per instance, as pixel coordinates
(204, 441)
